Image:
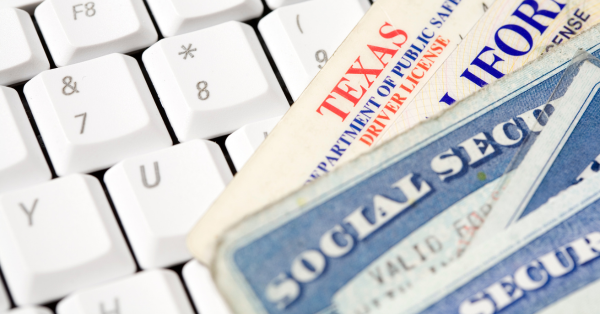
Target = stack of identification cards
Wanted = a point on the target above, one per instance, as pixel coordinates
(363, 238)
(561, 145)
(397, 54)
(547, 263)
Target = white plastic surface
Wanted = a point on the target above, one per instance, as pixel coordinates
(160, 196)
(21, 162)
(96, 113)
(242, 143)
(29, 310)
(274, 4)
(213, 81)
(148, 292)
(58, 237)
(175, 17)
(27, 5)
(77, 31)
(21, 53)
(302, 37)
(202, 289)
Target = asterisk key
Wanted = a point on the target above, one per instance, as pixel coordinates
(187, 51)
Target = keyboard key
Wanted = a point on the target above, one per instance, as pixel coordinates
(302, 37)
(30, 310)
(77, 31)
(175, 17)
(22, 162)
(160, 196)
(27, 5)
(202, 289)
(150, 292)
(21, 54)
(242, 143)
(274, 4)
(193, 76)
(94, 114)
(58, 237)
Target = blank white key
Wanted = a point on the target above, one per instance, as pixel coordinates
(58, 237)
(27, 5)
(76, 31)
(96, 113)
(161, 195)
(30, 310)
(302, 37)
(213, 81)
(202, 289)
(242, 143)
(150, 292)
(21, 53)
(22, 162)
(175, 17)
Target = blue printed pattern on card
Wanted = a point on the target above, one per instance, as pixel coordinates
(576, 155)
(449, 168)
(559, 262)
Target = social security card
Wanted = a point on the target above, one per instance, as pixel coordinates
(549, 262)
(570, 101)
(563, 155)
(295, 255)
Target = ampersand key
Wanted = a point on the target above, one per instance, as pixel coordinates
(73, 88)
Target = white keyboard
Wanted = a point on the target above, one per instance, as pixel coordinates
(121, 121)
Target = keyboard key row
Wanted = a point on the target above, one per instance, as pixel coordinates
(94, 114)
(175, 14)
(153, 291)
(61, 236)
(182, 83)
(76, 32)
(87, 30)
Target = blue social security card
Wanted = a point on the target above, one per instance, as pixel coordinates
(413, 203)
(548, 262)
(565, 141)
(556, 118)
